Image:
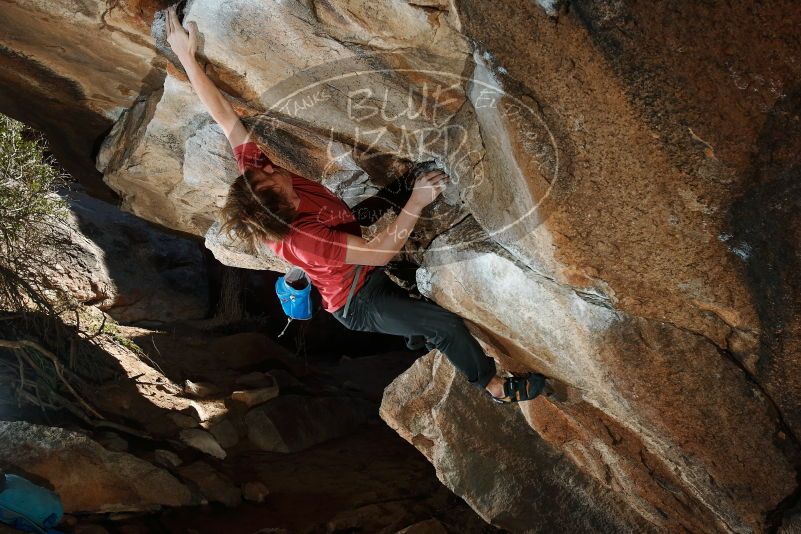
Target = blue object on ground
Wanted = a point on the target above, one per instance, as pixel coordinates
(28, 507)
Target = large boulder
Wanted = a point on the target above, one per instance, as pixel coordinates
(213, 485)
(70, 68)
(633, 374)
(87, 477)
(486, 454)
(291, 423)
(125, 266)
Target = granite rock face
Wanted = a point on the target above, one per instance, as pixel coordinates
(70, 68)
(643, 379)
(87, 477)
(521, 483)
(622, 217)
(126, 267)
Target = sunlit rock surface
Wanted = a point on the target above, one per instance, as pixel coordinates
(71, 68)
(519, 478)
(125, 266)
(87, 477)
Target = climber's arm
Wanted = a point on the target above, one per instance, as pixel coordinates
(185, 46)
(217, 105)
(387, 243)
(317, 243)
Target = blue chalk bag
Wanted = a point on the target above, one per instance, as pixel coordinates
(294, 292)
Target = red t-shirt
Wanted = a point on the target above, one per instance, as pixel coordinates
(316, 241)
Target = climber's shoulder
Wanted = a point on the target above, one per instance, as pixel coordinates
(236, 132)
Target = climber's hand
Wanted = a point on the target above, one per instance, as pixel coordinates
(427, 188)
(183, 43)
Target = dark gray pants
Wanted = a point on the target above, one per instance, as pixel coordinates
(381, 306)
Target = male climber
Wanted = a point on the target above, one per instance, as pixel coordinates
(309, 227)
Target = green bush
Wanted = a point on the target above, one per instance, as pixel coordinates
(46, 360)
(29, 210)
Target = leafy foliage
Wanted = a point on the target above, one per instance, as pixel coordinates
(29, 210)
(43, 360)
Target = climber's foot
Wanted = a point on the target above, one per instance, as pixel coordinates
(495, 386)
(517, 388)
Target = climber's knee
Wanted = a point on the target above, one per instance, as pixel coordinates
(447, 327)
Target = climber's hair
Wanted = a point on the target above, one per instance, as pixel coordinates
(255, 216)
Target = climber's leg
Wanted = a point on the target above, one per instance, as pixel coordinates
(495, 386)
(381, 306)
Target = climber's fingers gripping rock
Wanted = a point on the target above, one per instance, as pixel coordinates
(428, 186)
(183, 43)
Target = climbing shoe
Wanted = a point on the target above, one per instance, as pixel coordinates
(520, 388)
(556, 391)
